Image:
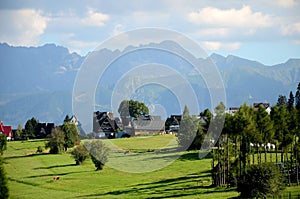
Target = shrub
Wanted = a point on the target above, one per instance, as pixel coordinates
(39, 149)
(80, 154)
(56, 141)
(4, 193)
(3, 143)
(98, 153)
(261, 180)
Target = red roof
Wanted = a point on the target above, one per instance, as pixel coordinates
(7, 130)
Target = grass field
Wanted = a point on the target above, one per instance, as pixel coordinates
(31, 174)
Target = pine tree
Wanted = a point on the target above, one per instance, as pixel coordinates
(199, 138)
(246, 126)
(187, 130)
(265, 129)
(290, 103)
(282, 101)
(264, 126)
(297, 98)
(217, 123)
(280, 119)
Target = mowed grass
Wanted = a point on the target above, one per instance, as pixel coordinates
(31, 174)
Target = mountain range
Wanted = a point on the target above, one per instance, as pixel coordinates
(38, 81)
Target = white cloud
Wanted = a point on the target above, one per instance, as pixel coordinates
(286, 3)
(95, 18)
(242, 18)
(214, 45)
(117, 29)
(291, 29)
(83, 44)
(296, 42)
(62, 70)
(213, 32)
(146, 18)
(76, 45)
(22, 27)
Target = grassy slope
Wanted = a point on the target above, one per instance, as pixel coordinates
(31, 175)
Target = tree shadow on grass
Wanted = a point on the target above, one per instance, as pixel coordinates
(194, 155)
(189, 156)
(56, 174)
(26, 156)
(56, 166)
(170, 188)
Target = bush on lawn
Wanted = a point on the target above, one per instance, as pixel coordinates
(80, 154)
(98, 153)
(261, 180)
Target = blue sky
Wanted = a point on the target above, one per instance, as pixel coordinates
(264, 30)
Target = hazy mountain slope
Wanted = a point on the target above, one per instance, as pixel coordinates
(38, 81)
(251, 81)
(48, 67)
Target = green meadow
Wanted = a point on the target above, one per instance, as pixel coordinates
(31, 174)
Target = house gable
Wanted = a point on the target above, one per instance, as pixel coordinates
(104, 122)
(7, 130)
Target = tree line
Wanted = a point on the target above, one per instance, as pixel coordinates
(250, 136)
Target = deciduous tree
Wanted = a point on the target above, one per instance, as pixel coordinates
(132, 108)
(30, 128)
(70, 134)
(80, 154)
(56, 141)
(98, 152)
(19, 132)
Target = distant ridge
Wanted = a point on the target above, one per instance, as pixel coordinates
(38, 81)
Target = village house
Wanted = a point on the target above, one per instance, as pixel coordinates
(73, 120)
(232, 110)
(265, 105)
(104, 124)
(6, 130)
(45, 129)
(148, 125)
(175, 122)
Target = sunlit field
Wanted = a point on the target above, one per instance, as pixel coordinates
(31, 174)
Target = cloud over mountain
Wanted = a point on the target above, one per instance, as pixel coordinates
(22, 27)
